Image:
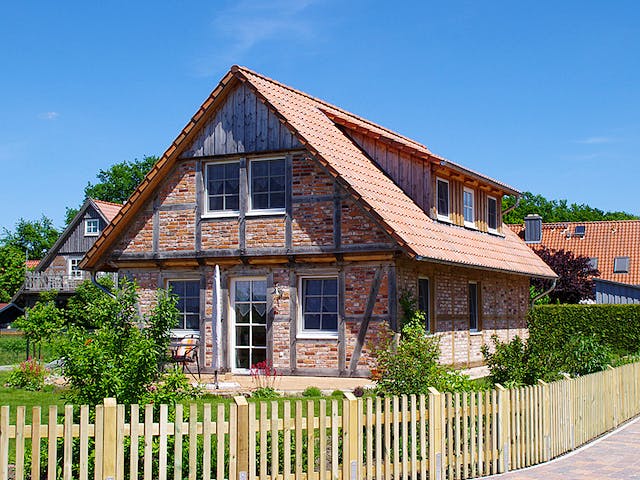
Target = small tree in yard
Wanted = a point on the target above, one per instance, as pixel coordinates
(42, 322)
(575, 274)
(410, 366)
(122, 357)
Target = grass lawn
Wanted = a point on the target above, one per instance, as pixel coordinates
(13, 350)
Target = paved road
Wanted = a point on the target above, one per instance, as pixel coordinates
(616, 456)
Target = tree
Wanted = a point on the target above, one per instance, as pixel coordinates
(11, 271)
(34, 237)
(575, 274)
(43, 321)
(117, 183)
(557, 210)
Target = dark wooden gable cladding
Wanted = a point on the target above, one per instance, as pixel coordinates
(241, 124)
(77, 241)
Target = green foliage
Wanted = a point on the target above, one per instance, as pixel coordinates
(43, 321)
(11, 271)
(118, 359)
(312, 392)
(410, 365)
(33, 236)
(29, 375)
(117, 183)
(617, 326)
(174, 388)
(585, 354)
(557, 210)
(81, 306)
(265, 393)
(337, 393)
(534, 292)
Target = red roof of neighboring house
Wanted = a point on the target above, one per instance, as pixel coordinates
(315, 124)
(108, 209)
(32, 263)
(602, 240)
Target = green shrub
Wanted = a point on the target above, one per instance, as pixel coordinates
(29, 375)
(265, 393)
(337, 393)
(410, 365)
(312, 392)
(585, 354)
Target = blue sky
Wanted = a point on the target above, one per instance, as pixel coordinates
(542, 95)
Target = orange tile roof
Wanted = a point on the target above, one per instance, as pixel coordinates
(310, 120)
(32, 263)
(602, 240)
(108, 209)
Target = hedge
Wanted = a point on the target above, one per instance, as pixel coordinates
(617, 326)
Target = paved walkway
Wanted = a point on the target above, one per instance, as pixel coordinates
(615, 456)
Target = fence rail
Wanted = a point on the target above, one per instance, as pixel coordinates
(437, 436)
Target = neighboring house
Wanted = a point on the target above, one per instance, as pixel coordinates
(289, 229)
(612, 246)
(58, 270)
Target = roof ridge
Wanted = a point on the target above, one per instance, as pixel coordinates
(106, 202)
(588, 222)
(327, 104)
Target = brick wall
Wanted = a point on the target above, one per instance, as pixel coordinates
(503, 307)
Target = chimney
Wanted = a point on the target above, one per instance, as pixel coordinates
(533, 228)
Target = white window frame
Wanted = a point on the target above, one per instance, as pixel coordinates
(469, 223)
(89, 224)
(219, 213)
(493, 230)
(447, 217)
(317, 334)
(183, 332)
(232, 321)
(75, 274)
(264, 211)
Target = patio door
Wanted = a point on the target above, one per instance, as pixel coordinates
(249, 323)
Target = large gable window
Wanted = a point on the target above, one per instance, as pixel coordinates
(223, 187)
(442, 193)
(320, 306)
(267, 184)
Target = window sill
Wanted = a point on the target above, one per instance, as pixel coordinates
(470, 226)
(441, 218)
(264, 213)
(317, 336)
(495, 233)
(475, 333)
(91, 234)
(230, 214)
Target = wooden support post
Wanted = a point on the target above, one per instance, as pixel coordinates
(615, 396)
(4, 442)
(109, 443)
(242, 432)
(546, 421)
(353, 436)
(504, 437)
(435, 434)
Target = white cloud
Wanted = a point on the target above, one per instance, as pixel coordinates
(48, 115)
(596, 140)
(248, 23)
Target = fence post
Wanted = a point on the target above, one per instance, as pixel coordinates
(546, 421)
(353, 437)
(435, 434)
(242, 446)
(503, 429)
(616, 397)
(109, 439)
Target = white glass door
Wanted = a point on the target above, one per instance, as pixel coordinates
(249, 323)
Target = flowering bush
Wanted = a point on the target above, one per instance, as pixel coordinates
(29, 375)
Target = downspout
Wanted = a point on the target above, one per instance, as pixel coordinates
(549, 290)
(101, 287)
(512, 207)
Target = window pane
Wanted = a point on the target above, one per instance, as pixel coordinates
(192, 289)
(277, 167)
(242, 336)
(258, 355)
(312, 304)
(192, 322)
(177, 288)
(260, 185)
(259, 313)
(242, 312)
(215, 203)
(259, 168)
(216, 187)
(330, 322)
(232, 202)
(242, 358)
(330, 304)
(473, 306)
(311, 321)
(330, 286)
(259, 336)
(232, 170)
(242, 291)
(277, 200)
(259, 293)
(276, 184)
(312, 287)
(443, 198)
(231, 186)
(423, 294)
(260, 201)
(492, 213)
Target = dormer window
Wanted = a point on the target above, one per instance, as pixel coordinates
(442, 194)
(468, 205)
(492, 214)
(91, 227)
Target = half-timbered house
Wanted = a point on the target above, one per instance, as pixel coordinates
(289, 229)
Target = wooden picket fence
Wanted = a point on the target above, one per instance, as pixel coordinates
(469, 435)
